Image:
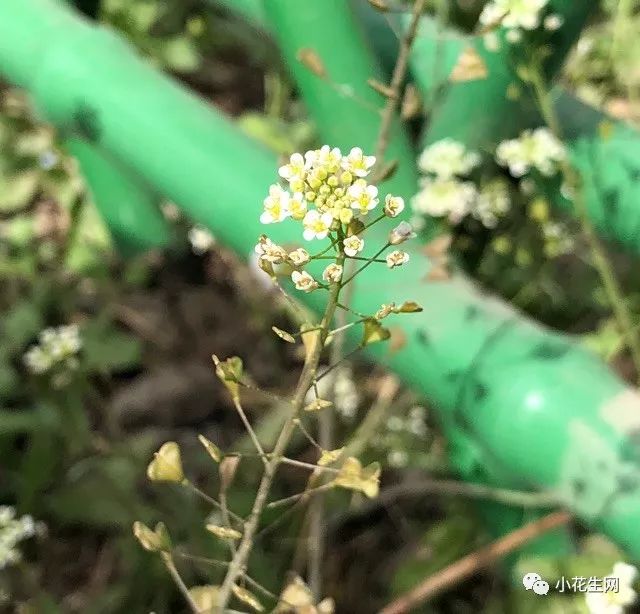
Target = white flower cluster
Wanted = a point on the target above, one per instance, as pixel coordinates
(12, 531)
(398, 429)
(534, 149)
(327, 192)
(614, 602)
(57, 349)
(201, 240)
(518, 16)
(443, 192)
(492, 203)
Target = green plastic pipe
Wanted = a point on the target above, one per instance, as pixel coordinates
(128, 207)
(523, 407)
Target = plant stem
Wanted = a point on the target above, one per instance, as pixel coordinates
(171, 568)
(601, 262)
(397, 79)
(305, 382)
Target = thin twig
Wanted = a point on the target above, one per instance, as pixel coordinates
(205, 497)
(301, 495)
(305, 382)
(249, 428)
(397, 79)
(171, 568)
(474, 562)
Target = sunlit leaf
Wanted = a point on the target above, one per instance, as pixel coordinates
(166, 465)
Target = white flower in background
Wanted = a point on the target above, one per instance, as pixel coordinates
(447, 159)
(346, 395)
(316, 225)
(398, 459)
(333, 273)
(397, 258)
(538, 149)
(357, 163)
(615, 600)
(276, 205)
(295, 170)
(492, 203)
(558, 241)
(12, 531)
(513, 13)
(401, 233)
(201, 240)
(553, 22)
(353, 245)
(299, 257)
(57, 349)
(445, 197)
(363, 197)
(513, 36)
(269, 251)
(303, 281)
(393, 205)
(491, 41)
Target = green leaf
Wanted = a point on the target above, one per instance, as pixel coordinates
(107, 349)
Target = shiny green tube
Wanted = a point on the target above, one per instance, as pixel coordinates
(523, 407)
(129, 208)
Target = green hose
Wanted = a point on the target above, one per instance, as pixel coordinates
(523, 407)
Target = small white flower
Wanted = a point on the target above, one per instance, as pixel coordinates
(303, 281)
(514, 36)
(37, 361)
(297, 207)
(363, 197)
(56, 349)
(445, 197)
(295, 170)
(299, 257)
(201, 240)
(329, 159)
(397, 458)
(614, 601)
(353, 245)
(393, 205)
(447, 159)
(538, 149)
(513, 13)
(316, 225)
(333, 273)
(401, 233)
(492, 203)
(276, 205)
(397, 258)
(270, 251)
(357, 163)
(553, 22)
(491, 41)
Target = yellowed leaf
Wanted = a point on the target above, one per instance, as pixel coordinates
(247, 597)
(470, 67)
(166, 465)
(312, 61)
(223, 532)
(353, 476)
(212, 449)
(205, 598)
(318, 405)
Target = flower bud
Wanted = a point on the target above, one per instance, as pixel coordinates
(401, 233)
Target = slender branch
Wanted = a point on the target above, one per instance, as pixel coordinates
(311, 466)
(171, 568)
(474, 562)
(252, 433)
(301, 495)
(397, 79)
(210, 500)
(601, 262)
(366, 264)
(304, 384)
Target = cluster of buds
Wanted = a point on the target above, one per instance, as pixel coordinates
(328, 193)
(13, 530)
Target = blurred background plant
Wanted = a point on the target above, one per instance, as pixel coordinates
(72, 455)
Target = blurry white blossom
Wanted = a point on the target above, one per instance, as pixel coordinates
(201, 240)
(558, 241)
(393, 205)
(57, 349)
(12, 531)
(619, 596)
(333, 273)
(492, 203)
(513, 36)
(445, 198)
(533, 149)
(447, 159)
(401, 233)
(523, 14)
(553, 22)
(397, 458)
